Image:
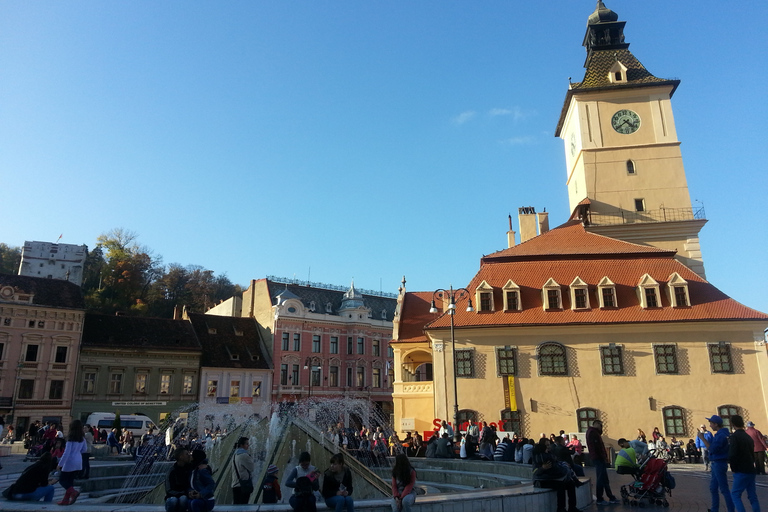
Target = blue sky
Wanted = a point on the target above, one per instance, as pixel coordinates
(365, 140)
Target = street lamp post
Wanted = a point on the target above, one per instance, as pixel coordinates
(452, 296)
(308, 364)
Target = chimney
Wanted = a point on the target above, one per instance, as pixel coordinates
(527, 218)
(543, 219)
(510, 234)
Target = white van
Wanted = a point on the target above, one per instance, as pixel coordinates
(137, 424)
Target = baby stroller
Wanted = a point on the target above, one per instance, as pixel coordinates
(651, 487)
(34, 452)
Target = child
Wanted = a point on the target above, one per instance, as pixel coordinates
(58, 449)
(303, 499)
(270, 487)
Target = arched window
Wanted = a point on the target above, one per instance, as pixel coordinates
(726, 411)
(585, 417)
(511, 421)
(552, 360)
(674, 420)
(630, 167)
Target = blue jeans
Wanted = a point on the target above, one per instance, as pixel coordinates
(719, 482)
(742, 482)
(174, 504)
(45, 493)
(602, 484)
(339, 503)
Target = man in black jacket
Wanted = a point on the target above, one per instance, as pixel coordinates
(742, 460)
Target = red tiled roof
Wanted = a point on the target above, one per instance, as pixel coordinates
(414, 316)
(571, 239)
(707, 302)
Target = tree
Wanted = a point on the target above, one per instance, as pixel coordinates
(10, 259)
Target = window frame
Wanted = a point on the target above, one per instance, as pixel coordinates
(59, 390)
(165, 383)
(465, 363)
(212, 388)
(297, 342)
(511, 288)
(334, 345)
(86, 388)
(360, 346)
(585, 417)
(116, 384)
(26, 391)
(678, 427)
(333, 376)
(577, 287)
(316, 343)
(657, 363)
(509, 355)
(616, 351)
(719, 350)
(511, 421)
(286, 341)
(376, 348)
(484, 299)
(552, 358)
(726, 412)
(550, 290)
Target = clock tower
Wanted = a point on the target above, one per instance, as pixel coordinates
(625, 172)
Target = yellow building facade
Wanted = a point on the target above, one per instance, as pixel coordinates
(607, 316)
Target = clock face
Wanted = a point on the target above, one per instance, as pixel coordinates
(625, 121)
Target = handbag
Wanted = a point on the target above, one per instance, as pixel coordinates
(246, 485)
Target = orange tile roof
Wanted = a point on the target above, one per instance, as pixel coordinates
(571, 239)
(568, 252)
(414, 316)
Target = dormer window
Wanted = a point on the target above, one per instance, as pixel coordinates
(606, 292)
(383, 314)
(648, 292)
(484, 297)
(550, 295)
(312, 306)
(232, 356)
(618, 73)
(328, 307)
(678, 291)
(511, 296)
(579, 294)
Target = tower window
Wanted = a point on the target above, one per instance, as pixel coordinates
(618, 76)
(630, 167)
(639, 205)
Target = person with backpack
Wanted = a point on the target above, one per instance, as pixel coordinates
(270, 486)
(303, 490)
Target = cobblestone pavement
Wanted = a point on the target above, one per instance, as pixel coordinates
(690, 495)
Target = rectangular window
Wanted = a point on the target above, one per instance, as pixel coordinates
(376, 378)
(611, 357)
(681, 298)
(720, 357)
(506, 358)
(334, 377)
(350, 345)
(315, 375)
(349, 377)
(512, 301)
(89, 382)
(608, 298)
(286, 338)
(674, 424)
(56, 390)
(650, 298)
(31, 355)
(485, 301)
(2, 346)
(188, 384)
(61, 355)
(26, 389)
(256, 390)
(666, 358)
(639, 205)
(390, 351)
(334, 344)
(316, 344)
(361, 346)
(360, 377)
(141, 383)
(375, 349)
(213, 388)
(586, 417)
(283, 374)
(297, 342)
(116, 383)
(580, 298)
(295, 375)
(165, 383)
(234, 388)
(464, 363)
(553, 299)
